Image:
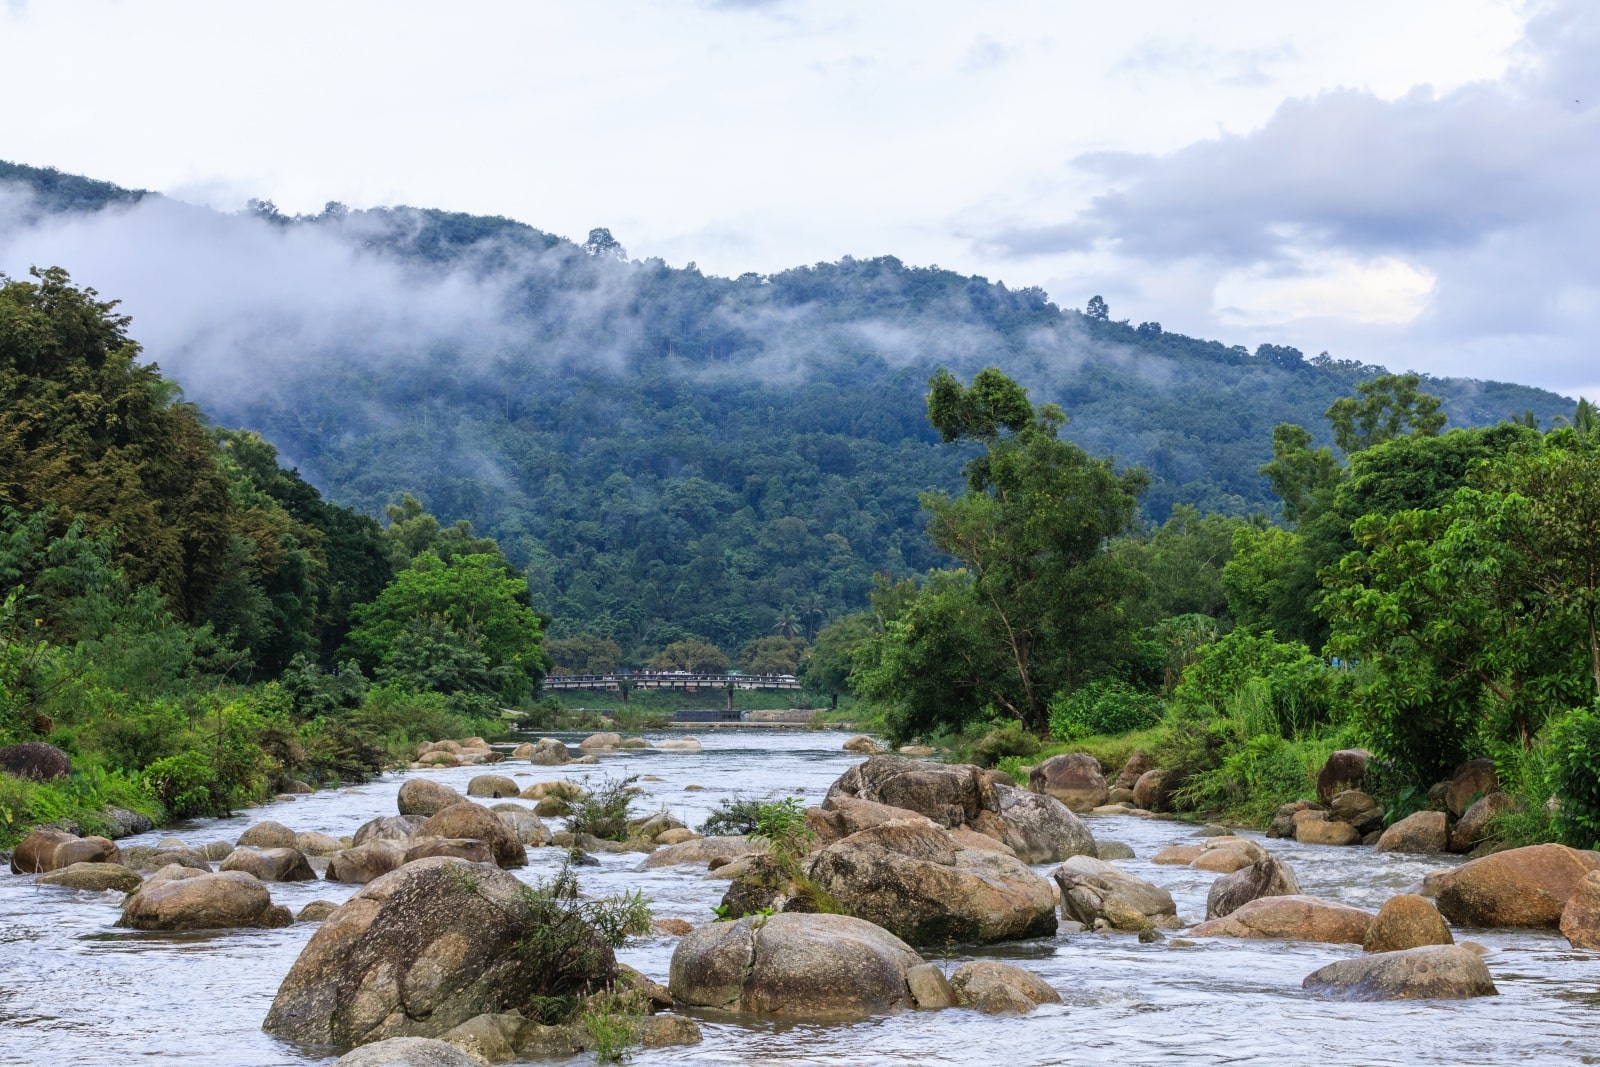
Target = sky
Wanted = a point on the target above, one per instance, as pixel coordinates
(1406, 182)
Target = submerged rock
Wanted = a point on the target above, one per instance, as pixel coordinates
(93, 876)
(996, 988)
(1435, 972)
(1291, 918)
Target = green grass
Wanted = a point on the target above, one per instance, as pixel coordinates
(1111, 750)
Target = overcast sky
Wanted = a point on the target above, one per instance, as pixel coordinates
(1411, 182)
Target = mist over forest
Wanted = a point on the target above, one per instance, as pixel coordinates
(666, 454)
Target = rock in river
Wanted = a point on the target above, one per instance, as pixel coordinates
(1525, 887)
(417, 952)
(203, 902)
(1434, 972)
(816, 966)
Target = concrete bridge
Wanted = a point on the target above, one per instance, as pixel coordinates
(682, 680)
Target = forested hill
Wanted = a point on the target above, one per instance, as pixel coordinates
(667, 453)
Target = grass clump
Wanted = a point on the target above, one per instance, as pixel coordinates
(604, 811)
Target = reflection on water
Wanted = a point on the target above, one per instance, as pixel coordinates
(73, 989)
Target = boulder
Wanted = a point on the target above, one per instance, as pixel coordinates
(1580, 919)
(863, 745)
(1094, 891)
(635, 743)
(549, 752)
(419, 796)
(407, 1052)
(267, 834)
(366, 862)
(1524, 887)
(649, 829)
(51, 850)
(1267, 877)
(601, 742)
(1345, 769)
(494, 786)
(271, 864)
(389, 828)
(36, 761)
(421, 950)
(97, 877)
(951, 794)
(467, 819)
(680, 744)
(1313, 828)
(295, 787)
(1406, 921)
(1074, 778)
(676, 836)
(1431, 973)
(819, 966)
(1224, 855)
(316, 911)
(203, 902)
(1473, 826)
(1112, 850)
(1133, 770)
(840, 816)
(1472, 780)
(157, 858)
(917, 751)
(528, 827)
(1358, 809)
(701, 850)
(930, 989)
(1040, 828)
(1122, 795)
(469, 849)
(1150, 791)
(996, 988)
(1176, 855)
(1291, 918)
(126, 823)
(523, 751)
(913, 880)
(1422, 831)
(317, 844)
(1283, 822)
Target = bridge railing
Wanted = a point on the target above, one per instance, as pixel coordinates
(671, 680)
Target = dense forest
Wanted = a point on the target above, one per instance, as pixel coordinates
(672, 456)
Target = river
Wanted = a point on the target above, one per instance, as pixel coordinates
(76, 990)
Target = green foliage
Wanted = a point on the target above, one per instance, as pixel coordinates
(782, 828)
(604, 812)
(1299, 689)
(1575, 776)
(998, 741)
(692, 655)
(1102, 707)
(829, 662)
(733, 817)
(583, 654)
(1181, 564)
(1383, 409)
(772, 655)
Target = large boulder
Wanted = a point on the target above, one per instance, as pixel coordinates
(271, 864)
(366, 862)
(1291, 918)
(1134, 769)
(474, 820)
(1406, 921)
(819, 966)
(389, 828)
(1227, 854)
(267, 834)
(407, 1052)
(863, 745)
(1345, 769)
(97, 877)
(1526, 887)
(1093, 891)
(915, 881)
(469, 849)
(144, 858)
(603, 742)
(549, 752)
(996, 988)
(1314, 828)
(315, 843)
(1434, 972)
(1422, 831)
(1356, 808)
(1074, 778)
(1267, 877)
(493, 786)
(423, 949)
(840, 816)
(951, 794)
(1282, 824)
(1040, 828)
(203, 902)
(35, 760)
(1150, 791)
(1472, 780)
(51, 850)
(528, 827)
(1580, 919)
(1473, 826)
(701, 851)
(419, 796)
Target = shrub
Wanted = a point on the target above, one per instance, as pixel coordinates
(1000, 742)
(733, 817)
(605, 811)
(1575, 774)
(1104, 707)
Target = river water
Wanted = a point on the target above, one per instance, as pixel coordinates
(76, 990)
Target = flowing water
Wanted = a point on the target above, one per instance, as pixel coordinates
(76, 990)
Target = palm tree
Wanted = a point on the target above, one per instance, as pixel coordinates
(788, 623)
(814, 610)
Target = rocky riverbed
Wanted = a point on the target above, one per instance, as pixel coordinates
(75, 988)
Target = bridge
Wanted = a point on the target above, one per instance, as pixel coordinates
(684, 680)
